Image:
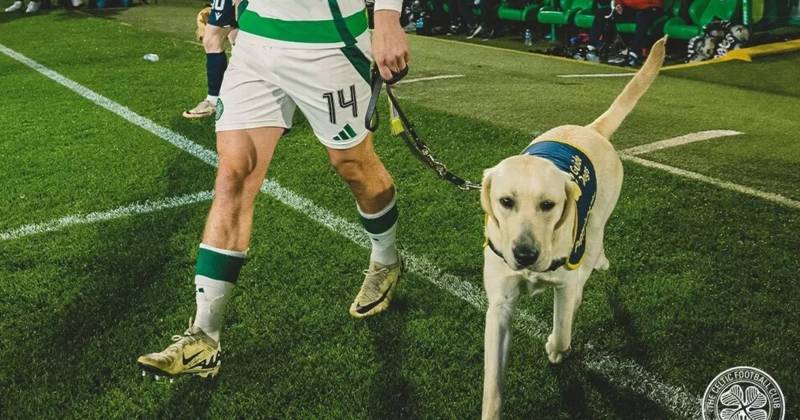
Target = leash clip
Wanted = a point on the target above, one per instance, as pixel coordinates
(401, 125)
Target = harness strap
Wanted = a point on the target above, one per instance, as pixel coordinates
(409, 135)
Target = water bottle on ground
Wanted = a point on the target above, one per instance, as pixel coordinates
(151, 57)
(528, 37)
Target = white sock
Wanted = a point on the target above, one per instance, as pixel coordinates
(384, 247)
(212, 99)
(211, 297)
(384, 243)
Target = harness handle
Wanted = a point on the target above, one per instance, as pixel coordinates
(409, 135)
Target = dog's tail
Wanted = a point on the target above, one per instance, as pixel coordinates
(608, 123)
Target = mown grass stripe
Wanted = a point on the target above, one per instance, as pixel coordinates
(674, 399)
(124, 211)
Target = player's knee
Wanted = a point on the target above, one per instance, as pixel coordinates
(350, 170)
(231, 180)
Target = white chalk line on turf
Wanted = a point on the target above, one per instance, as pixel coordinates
(676, 400)
(680, 141)
(83, 219)
(425, 79)
(772, 197)
(575, 76)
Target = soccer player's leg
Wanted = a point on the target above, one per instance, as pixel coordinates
(374, 191)
(331, 89)
(252, 116)
(244, 159)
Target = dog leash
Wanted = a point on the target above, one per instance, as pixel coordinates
(402, 126)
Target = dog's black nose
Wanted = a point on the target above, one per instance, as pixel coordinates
(525, 255)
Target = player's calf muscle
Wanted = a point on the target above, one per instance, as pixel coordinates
(368, 179)
(229, 224)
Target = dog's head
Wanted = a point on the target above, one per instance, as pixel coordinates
(528, 200)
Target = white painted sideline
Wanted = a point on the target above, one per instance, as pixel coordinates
(83, 219)
(680, 141)
(572, 76)
(625, 373)
(772, 197)
(425, 79)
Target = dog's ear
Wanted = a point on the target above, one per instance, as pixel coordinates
(573, 194)
(486, 192)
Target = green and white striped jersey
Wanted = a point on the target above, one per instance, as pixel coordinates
(308, 23)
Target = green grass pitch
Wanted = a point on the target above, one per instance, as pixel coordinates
(702, 278)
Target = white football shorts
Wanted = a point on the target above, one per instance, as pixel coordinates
(263, 85)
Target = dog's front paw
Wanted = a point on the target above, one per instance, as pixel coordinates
(553, 353)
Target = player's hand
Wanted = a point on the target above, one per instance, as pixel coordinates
(389, 43)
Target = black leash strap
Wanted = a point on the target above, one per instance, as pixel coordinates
(408, 133)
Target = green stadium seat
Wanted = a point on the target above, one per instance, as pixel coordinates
(563, 12)
(676, 27)
(524, 14)
(553, 13)
(585, 18)
(701, 12)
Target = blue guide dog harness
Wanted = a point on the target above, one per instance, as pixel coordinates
(574, 162)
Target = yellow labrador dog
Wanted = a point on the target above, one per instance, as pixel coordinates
(546, 210)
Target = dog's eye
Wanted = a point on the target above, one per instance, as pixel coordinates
(547, 205)
(507, 202)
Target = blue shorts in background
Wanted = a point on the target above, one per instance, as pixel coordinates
(222, 14)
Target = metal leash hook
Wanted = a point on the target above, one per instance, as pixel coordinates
(402, 126)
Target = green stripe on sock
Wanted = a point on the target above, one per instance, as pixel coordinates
(218, 266)
(381, 224)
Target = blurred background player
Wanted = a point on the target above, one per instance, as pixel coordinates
(34, 6)
(221, 23)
